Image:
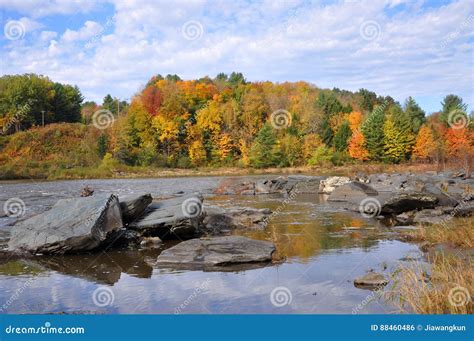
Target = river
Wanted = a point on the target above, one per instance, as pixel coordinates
(324, 250)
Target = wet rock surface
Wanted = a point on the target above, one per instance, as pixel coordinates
(218, 220)
(371, 281)
(216, 252)
(134, 206)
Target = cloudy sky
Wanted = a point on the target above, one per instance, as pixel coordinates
(394, 47)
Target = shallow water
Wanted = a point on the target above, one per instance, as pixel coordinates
(324, 250)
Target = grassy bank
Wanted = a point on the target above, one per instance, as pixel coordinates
(446, 287)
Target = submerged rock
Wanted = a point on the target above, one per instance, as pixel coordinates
(72, 225)
(371, 281)
(134, 206)
(216, 252)
(179, 217)
(235, 187)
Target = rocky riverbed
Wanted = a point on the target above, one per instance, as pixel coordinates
(234, 226)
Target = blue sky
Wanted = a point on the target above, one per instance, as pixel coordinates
(393, 47)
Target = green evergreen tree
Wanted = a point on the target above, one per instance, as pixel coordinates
(262, 153)
(452, 104)
(373, 132)
(415, 114)
(341, 139)
(102, 145)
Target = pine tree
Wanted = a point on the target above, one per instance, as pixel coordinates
(262, 151)
(415, 114)
(341, 139)
(373, 130)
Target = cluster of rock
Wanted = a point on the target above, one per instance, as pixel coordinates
(277, 185)
(409, 198)
(100, 221)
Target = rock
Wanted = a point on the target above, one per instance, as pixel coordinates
(216, 252)
(235, 187)
(269, 186)
(464, 209)
(179, 217)
(405, 218)
(443, 198)
(72, 225)
(218, 220)
(151, 242)
(352, 192)
(87, 191)
(303, 184)
(331, 183)
(431, 216)
(408, 201)
(372, 281)
(134, 206)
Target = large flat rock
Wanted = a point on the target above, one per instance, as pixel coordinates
(179, 217)
(134, 206)
(72, 225)
(216, 252)
(218, 220)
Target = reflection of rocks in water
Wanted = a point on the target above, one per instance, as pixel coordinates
(103, 268)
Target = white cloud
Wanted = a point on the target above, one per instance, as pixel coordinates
(41, 8)
(288, 40)
(89, 30)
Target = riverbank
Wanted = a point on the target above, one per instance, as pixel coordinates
(118, 171)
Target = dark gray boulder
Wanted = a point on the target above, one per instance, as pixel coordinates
(408, 201)
(71, 225)
(216, 252)
(444, 199)
(134, 206)
(352, 192)
(179, 217)
(218, 220)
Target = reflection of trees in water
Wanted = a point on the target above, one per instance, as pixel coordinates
(300, 235)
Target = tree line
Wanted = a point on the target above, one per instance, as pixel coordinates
(228, 121)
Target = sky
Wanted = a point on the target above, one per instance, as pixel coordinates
(399, 48)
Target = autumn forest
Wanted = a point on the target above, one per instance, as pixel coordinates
(224, 121)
